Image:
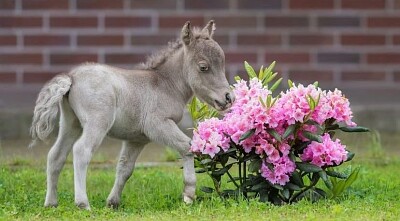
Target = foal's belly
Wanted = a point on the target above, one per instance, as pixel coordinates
(125, 130)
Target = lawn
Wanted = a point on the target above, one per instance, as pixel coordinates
(153, 193)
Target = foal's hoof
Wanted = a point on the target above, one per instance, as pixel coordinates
(112, 204)
(82, 205)
(188, 199)
(50, 205)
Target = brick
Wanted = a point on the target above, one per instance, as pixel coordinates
(307, 4)
(258, 39)
(124, 58)
(286, 21)
(396, 76)
(44, 4)
(128, 22)
(179, 21)
(95, 40)
(7, 4)
(20, 21)
(73, 22)
(338, 57)
(363, 4)
(46, 40)
(8, 40)
(310, 76)
(310, 39)
(153, 4)
(363, 75)
(8, 77)
(384, 22)
(71, 58)
(23, 58)
(259, 4)
(362, 39)
(207, 4)
(383, 58)
(240, 57)
(100, 4)
(235, 21)
(287, 57)
(151, 40)
(338, 22)
(397, 4)
(38, 77)
(396, 39)
(221, 39)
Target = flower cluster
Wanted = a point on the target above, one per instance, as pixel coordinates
(259, 128)
(327, 153)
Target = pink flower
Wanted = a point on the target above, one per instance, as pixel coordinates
(280, 171)
(327, 153)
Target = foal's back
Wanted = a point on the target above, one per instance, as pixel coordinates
(105, 93)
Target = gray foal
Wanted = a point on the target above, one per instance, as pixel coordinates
(136, 106)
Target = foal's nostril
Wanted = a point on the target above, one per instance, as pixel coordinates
(228, 98)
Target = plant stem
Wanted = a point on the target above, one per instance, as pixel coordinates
(304, 190)
(245, 177)
(232, 179)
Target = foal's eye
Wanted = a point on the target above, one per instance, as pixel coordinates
(203, 67)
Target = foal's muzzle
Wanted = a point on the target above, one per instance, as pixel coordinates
(227, 103)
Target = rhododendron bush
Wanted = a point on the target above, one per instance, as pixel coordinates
(275, 147)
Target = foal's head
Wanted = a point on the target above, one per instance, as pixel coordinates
(204, 62)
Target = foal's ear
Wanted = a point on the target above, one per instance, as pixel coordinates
(186, 33)
(209, 28)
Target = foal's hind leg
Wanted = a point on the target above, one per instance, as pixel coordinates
(68, 133)
(129, 153)
(93, 133)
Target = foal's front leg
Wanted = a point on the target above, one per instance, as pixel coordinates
(167, 132)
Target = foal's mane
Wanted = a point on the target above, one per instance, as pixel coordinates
(159, 57)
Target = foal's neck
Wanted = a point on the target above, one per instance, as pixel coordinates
(174, 75)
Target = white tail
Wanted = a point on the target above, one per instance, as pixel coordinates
(46, 108)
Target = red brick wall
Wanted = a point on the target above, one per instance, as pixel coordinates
(338, 42)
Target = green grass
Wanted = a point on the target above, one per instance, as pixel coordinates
(155, 194)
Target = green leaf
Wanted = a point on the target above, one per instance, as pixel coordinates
(201, 170)
(206, 161)
(269, 99)
(316, 84)
(285, 193)
(221, 171)
(261, 73)
(336, 174)
(224, 159)
(255, 165)
(247, 134)
(311, 102)
(350, 156)
(312, 136)
(269, 79)
(270, 68)
(275, 85)
(308, 167)
(206, 189)
(326, 180)
(290, 83)
(237, 78)
(289, 131)
(259, 186)
(353, 177)
(262, 102)
(354, 129)
(292, 186)
(250, 71)
(275, 134)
